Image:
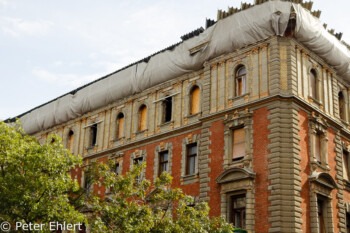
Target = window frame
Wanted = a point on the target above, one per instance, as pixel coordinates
(93, 134)
(188, 159)
(166, 104)
(241, 127)
(140, 118)
(70, 140)
(240, 78)
(242, 210)
(118, 132)
(160, 162)
(191, 100)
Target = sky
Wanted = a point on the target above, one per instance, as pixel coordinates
(48, 48)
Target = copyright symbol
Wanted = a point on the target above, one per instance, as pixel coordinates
(5, 226)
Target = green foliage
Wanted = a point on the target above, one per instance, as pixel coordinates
(36, 187)
(139, 206)
(35, 179)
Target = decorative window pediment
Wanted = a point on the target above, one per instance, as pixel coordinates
(323, 179)
(235, 174)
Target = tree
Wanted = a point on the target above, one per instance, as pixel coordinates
(35, 181)
(36, 187)
(134, 205)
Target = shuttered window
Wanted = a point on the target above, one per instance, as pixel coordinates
(120, 125)
(195, 98)
(143, 118)
(238, 144)
(318, 147)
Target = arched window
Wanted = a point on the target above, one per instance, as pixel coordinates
(142, 117)
(70, 140)
(313, 84)
(120, 125)
(194, 100)
(240, 79)
(341, 101)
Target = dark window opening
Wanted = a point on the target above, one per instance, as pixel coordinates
(321, 216)
(290, 31)
(117, 168)
(163, 162)
(167, 108)
(93, 130)
(238, 211)
(191, 159)
(341, 102)
(313, 84)
(346, 165)
(70, 140)
(348, 222)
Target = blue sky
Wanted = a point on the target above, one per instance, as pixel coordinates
(48, 48)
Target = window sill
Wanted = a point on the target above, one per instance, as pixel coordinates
(117, 139)
(316, 101)
(189, 179)
(91, 147)
(320, 166)
(198, 114)
(165, 123)
(239, 97)
(141, 132)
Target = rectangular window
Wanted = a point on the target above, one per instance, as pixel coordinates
(117, 168)
(346, 165)
(191, 159)
(167, 109)
(238, 211)
(321, 215)
(163, 162)
(93, 135)
(238, 144)
(138, 161)
(347, 222)
(318, 147)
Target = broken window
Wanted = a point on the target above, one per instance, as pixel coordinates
(241, 81)
(194, 100)
(142, 118)
(167, 109)
(120, 125)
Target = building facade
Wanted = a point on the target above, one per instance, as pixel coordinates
(261, 133)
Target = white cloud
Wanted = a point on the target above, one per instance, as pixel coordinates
(69, 80)
(3, 2)
(17, 27)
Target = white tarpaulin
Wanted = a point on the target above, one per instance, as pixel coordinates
(246, 27)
